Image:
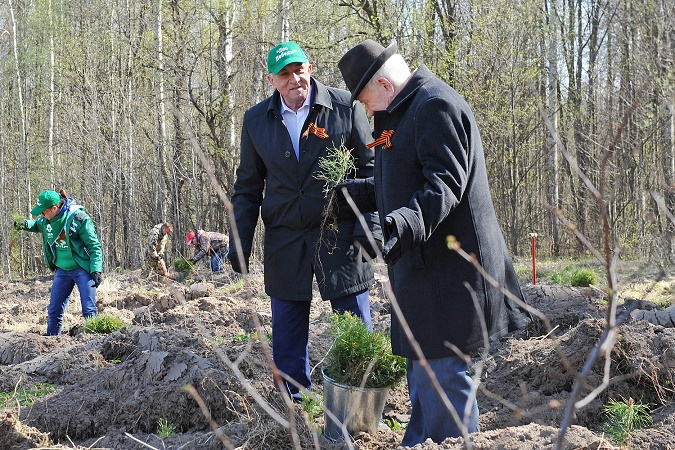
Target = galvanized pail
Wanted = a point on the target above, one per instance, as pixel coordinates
(359, 409)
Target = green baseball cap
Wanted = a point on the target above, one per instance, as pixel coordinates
(45, 200)
(283, 54)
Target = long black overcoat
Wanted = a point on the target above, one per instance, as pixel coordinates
(433, 177)
(272, 183)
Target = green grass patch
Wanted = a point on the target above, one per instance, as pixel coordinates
(244, 337)
(26, 397)
(574, 276)
(312, 404)
(102, 324)
(394, 424)
(234, 287)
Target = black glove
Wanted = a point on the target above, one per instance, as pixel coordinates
(391, 252)
(340, 210)
(404, 232)
(20, 224)
(362, 192)
(98, 278)
(160, 256)
(361, 237)
(234, 261)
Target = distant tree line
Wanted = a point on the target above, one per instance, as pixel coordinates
(113, 100)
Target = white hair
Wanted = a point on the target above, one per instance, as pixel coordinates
(394, 69)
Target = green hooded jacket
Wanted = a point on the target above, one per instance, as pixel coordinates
(80, 237)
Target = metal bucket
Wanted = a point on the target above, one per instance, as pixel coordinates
(359, 409)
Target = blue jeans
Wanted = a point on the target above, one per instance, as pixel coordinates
(217, 260)
(290, 334)
(62, 287)
(429, 417)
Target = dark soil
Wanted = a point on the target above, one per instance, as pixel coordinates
(195, 355)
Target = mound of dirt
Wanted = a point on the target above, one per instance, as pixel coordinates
(196, 356)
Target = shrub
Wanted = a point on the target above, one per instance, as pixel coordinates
(574, 276)
(584, 277)
(102, 324)
(353, 351)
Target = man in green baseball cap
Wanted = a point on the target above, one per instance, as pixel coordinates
(283, 140)
(45, 200)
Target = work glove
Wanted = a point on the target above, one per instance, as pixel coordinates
(362, 192)
(98, 278)
(234, 261)
(160, 256)
(21, 224)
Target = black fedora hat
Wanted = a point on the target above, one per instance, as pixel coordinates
(360, 63)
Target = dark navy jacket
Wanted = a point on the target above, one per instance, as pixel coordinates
(433, 179)
(272, 183)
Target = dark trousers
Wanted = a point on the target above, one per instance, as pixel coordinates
(290, 334)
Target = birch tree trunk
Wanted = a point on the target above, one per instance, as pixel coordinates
(165, 187)
(283, 33)
(552, 105)
(25, 186)
(50, 145)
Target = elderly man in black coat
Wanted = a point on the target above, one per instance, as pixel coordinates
(430, 182)
(283, 139)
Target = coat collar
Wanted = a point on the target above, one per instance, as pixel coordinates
(320, 96)
(418, 79)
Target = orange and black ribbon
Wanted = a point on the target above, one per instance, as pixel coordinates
(318, 131)
(384, 140)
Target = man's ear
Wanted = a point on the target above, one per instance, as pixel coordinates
(270, 79)
(385, 84)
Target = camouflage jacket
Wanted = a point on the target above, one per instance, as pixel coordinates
(156, 242)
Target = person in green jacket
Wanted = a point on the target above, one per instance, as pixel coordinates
(72, 251)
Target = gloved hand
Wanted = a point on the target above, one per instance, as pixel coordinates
(391, 252)
(404, 231)
(362, 192)
(361, 236)
(367, 247)
(98, 278)
(20, 224)
(234, 261)
(160, 256)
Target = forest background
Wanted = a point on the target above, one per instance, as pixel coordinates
(125, 104)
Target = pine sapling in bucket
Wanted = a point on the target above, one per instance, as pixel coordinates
(359, 372)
